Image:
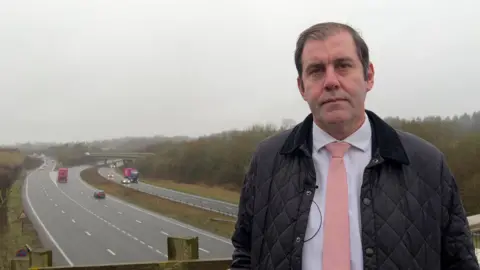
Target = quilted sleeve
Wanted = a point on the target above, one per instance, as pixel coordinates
(241, 238)
(458, 251)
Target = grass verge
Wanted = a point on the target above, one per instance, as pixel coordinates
(217, 193)
(213, 192)
(16, 237)
(196, 217)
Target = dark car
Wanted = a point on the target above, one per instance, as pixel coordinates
(99, 194)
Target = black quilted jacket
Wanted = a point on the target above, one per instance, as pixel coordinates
(412, 215)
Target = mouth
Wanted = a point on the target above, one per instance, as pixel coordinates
(333, 100)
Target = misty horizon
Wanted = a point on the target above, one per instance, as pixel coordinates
(97, 70)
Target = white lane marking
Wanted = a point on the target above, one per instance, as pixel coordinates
(56, 204)
(159, 252)
(111, 252)
(73, 220)
(105, 205)
(165, 233)
(87, 233)
(89, 211)
(204, 250)
(141, 242)
(190, 228)
(120, 213)
(53, 178)
(81, 192)
(51, 199)
(43, 225)
(150, 247)
(138, 221)
(63, 212)
(135, 238)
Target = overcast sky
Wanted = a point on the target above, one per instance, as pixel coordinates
(81, 70)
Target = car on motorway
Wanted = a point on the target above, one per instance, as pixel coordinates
(110, 176)
(99, 194)
(126, 181)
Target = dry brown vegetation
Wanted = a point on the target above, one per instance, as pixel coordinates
(10, 158)
(220, 160)
(191, 215)
(12, 234)
(31, 163)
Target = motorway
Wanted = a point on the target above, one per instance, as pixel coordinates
(222, 207)
(82, 230)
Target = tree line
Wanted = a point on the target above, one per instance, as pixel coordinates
(222, 159)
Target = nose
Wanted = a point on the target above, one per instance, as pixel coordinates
(331, 80)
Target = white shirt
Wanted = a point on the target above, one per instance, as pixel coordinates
(356, 159)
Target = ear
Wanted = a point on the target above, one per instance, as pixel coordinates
(301, 87)
(370, 77)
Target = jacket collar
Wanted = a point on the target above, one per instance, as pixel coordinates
(385, 140)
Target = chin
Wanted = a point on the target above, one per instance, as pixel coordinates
(335, 117)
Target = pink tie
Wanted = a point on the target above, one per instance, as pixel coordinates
(336, 243)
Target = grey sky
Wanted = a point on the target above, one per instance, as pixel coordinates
(81, 70)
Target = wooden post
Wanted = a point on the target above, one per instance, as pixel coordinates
(20, 263)
(40, 257)
(182, 248)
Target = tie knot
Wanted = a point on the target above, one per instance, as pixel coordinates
(337, 149)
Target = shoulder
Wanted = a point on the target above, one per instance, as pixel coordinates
(426, 160)
(272, 144)
(417, 147)
(267, 152)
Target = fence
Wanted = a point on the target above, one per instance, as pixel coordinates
(182, 255)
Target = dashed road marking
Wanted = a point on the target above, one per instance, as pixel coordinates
(87, 233)
(111, 252)
(204, 250)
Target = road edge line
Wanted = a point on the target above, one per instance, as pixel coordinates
(67, 259)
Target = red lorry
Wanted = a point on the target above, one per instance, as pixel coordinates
(130, 175)
(62, 176)
(126, 172)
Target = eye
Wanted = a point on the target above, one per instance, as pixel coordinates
(317, 71)
(344, 65)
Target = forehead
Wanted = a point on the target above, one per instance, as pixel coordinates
(338, 45)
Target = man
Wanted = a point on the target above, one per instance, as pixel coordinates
(343, 189)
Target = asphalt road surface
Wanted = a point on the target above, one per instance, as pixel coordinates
(225, 208)
(83, 230)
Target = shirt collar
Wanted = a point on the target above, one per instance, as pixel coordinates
(360, 139)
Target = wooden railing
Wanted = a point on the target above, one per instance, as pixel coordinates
(182, 255)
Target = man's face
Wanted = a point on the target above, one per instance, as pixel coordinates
(333, 82)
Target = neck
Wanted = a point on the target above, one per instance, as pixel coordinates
(341, 130)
